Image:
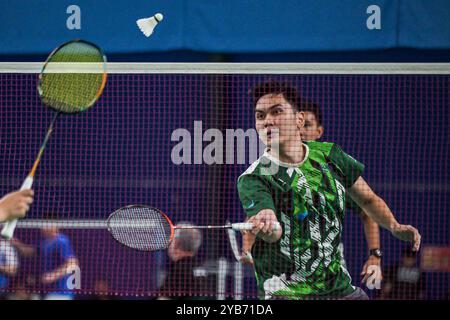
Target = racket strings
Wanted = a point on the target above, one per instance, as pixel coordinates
(74, 91)
(140, 228)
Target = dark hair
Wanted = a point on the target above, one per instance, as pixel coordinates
(313, 108)
(188, 240)
(288, 91)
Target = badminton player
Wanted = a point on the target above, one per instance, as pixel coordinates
(313, 131)
(307, 196)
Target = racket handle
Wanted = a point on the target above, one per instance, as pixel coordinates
(27, 183)
(9, 227)
(249, 226)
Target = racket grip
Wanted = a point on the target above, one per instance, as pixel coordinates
(9, 227)
(27, 183)
(242, 226)
(249, 226)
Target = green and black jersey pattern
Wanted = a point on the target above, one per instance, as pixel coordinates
(309, 201)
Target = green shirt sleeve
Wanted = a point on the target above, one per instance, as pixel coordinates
(351, 204)
(350, 168)
(254, 194)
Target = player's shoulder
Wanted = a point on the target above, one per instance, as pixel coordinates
(256, 171)
(253, 169)
(319, 146)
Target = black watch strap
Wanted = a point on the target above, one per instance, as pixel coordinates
(375, 252)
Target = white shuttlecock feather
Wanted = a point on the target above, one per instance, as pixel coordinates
(147, 25)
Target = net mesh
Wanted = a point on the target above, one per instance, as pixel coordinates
(140, 228)
(149, 140)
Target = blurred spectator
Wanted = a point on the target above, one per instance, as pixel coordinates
(404, 281)
(23, 249)
(9, 263)
(101, 287)
(22, 293)
(101, 292)
(181, 282)
(58, 263)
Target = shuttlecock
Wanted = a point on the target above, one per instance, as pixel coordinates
(147, 25)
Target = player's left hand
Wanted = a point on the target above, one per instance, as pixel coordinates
(371, 273)
(407, 233)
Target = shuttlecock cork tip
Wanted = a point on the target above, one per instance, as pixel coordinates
(147, 25)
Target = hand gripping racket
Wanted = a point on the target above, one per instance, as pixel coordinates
(148, 229)
(71, 81)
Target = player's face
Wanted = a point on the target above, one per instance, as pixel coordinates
(311, 131)
(277, 122)
(172, 250)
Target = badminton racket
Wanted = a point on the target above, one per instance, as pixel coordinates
(71, 81)
(149, 229)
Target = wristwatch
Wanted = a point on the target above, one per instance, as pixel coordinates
(375, 252)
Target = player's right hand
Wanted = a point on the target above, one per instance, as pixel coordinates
(246, 258)
(15, 204)
(263, 225)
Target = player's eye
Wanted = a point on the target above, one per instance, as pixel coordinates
(277, 111)
(259, 116)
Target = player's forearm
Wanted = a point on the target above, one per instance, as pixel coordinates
(24, 249)
(3, 215)
(372, 232)
(377, 209)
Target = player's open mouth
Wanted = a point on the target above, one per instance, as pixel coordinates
(271, 133)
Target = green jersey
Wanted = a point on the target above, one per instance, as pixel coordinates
(309, 201)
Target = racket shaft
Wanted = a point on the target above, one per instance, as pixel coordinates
(235, 226)
(44, 144)
(10, 226)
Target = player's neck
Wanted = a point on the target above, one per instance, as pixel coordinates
(293, 152)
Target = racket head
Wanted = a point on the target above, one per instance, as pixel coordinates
(73, 77)
(141, 227)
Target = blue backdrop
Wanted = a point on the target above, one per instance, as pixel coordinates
(36, 27)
